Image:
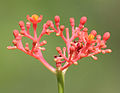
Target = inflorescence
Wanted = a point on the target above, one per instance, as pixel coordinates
(87, 45)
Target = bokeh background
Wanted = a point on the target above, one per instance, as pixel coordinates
(20, 73)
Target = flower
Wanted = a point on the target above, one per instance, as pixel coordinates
(35, 18)
(87, 45)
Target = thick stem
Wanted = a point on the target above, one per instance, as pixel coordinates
(60, 81)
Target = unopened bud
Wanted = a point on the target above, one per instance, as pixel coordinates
(22, 32)
(94, 57)
(42, 48)
(58, 49)
(21, 23)
(11, 47)
(64, 48)
(14, 42)
(106, 36)
(57, 19)
(83, 20)
(72, 21)
(75, 63)
(98, 37)
(55, 59)
(47, 31)
(93, 32)
(62, 27)
(108, 50)
(58, 34)
(27, 48)
(15, 33)
(72, 49)
(49, 22)
(43, 43)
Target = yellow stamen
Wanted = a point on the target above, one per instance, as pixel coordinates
(91, 37)
(35, 17)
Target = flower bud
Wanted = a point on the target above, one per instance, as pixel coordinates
(58, 49)
(83, 20)
(94, 57)
(75, 63)
(72, 21)
(106, 36)
(11, 47)
(22, 32)
(42, 48)
(93, 32)
(72, 49)
(15, 33)
(57, 19)
(14, 42)
(21, 23)
(108, 50)
(27, 48)
(98, 37)
(43, 43)
(49, 22)
(62, 27)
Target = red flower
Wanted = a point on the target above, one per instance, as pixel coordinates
(87, 45)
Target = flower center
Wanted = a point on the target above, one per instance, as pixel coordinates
(35, 17)
(91, 37)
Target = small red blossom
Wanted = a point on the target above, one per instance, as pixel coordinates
(87, 45)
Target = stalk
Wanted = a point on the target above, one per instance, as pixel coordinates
(60, 81)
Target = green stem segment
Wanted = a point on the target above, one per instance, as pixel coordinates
(60, 81)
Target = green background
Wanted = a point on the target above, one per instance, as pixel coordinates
(20, 73)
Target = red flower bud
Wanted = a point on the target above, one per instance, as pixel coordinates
(72, 49)
(62, 27)
(57, 19)
(15, 33)
(21, 23)
(83, 20)
(93, 32)
(98, 37)
(72, 22)
(106, 36)
(58, 49)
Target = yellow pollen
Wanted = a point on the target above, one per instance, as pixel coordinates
(35, 17)
(91, 37)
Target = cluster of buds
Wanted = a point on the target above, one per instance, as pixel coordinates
(87, 45)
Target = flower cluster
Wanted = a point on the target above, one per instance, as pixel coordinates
(87, 45)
